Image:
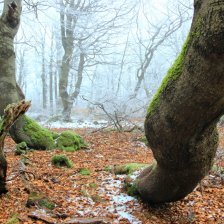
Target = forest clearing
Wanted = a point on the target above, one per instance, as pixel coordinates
(88, 193)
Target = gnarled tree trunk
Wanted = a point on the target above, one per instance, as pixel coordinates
(11, 113)
(9, 24)
(181, 122)
(22, 130)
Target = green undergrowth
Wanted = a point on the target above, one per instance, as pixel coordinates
(36, 199)
(144, 140)
(61, 160)
(93, 185)
(69, 141)
(21, 148)
(218, 169)
(85, 171)
(43, 138)
(131, 189)
(126, 168)
(13, 219)
(173, 74)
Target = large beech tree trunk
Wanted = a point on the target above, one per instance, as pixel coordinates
(11, 113)
(181, 122)
(9, 24)
(10, 91)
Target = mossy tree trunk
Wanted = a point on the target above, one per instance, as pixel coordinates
(10, 91)
(11, 113)
(9, 24)
(181, 122)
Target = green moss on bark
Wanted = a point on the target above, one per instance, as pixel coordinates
(41, 137)
(130, 187)
(173, 74)
(70, 141)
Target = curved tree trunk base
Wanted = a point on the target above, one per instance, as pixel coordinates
(158, 184)
(180, 125)
(11, 114)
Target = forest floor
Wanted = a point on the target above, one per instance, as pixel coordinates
(95, 195)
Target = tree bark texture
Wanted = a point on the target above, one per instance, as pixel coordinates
(10, 91)
(181, 122)
(68, 24)
(9, 23)
(11, 113)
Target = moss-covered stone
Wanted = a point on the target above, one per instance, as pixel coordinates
(36, 199)
(70, 141)
(41, 137)
(173, 74)
(61, 160)
(85, 171)
(128, 168)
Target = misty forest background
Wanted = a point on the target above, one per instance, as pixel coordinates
(102, 59)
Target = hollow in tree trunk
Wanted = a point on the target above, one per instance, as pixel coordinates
(181, 121)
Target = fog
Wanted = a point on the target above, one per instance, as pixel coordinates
(126, 46)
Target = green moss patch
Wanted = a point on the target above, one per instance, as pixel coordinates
(218, 169)
(36, 199)
(42, 138)
(144, 140)
(93, 185)
(70, 141)
(13, 219)
(173, 74)
(109, 168)
(21, 148)
(85, 171)
(130, 187)
(128, 168)
(61, 160)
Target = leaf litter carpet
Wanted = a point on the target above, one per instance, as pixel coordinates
(98, 196)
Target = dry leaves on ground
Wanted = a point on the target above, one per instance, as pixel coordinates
(98, 197)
